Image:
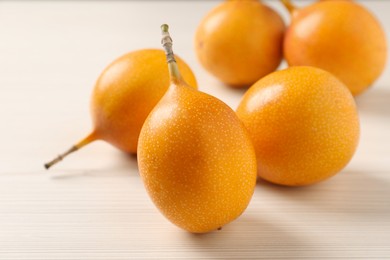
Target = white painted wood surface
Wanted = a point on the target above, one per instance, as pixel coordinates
(93, 204)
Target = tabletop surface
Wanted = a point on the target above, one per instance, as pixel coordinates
(93, 204)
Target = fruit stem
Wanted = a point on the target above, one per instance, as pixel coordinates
(166, 42)
(289, 6)
(90, 138)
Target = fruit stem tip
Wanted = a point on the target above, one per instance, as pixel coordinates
(88, 139)
(60, 157)
(166, 42)
(164, 28)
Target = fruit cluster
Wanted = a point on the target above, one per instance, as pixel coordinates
(199, 159)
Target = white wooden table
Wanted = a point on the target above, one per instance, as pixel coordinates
(93, 204)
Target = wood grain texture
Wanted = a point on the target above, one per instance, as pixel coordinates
(93, 205)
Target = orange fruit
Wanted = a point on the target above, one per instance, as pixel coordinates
(341, 37)
(125, 93)
(303, 123)
(195, 158)
(240, 41)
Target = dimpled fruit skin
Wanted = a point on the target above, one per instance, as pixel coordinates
(303, 123)
(240, 41)
(127, 91)
(341, 37)
(196, 160)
